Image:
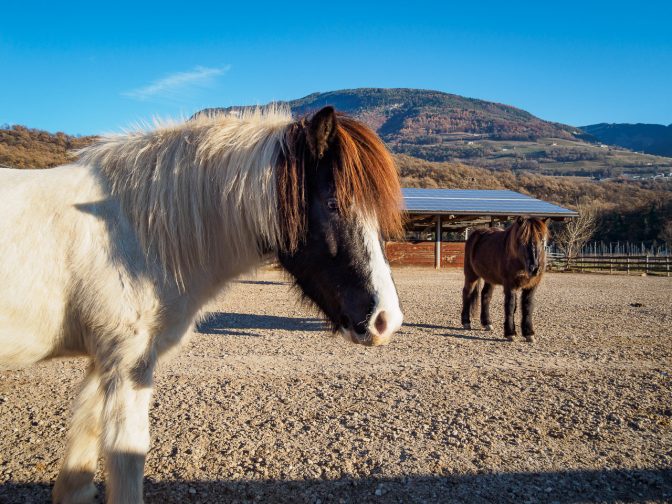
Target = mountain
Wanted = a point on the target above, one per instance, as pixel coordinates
(419, 116)
(438, 126)
(422, 116)
(649, 138)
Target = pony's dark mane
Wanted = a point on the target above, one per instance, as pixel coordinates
(532, 229)
(290, 180)
(529, 230)
(364, 172)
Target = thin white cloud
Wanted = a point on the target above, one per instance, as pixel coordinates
(176, 85)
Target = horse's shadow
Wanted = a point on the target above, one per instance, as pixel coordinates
(473, 338)
(562, 487)
(240, 324)
(460, 335)
(261, 282)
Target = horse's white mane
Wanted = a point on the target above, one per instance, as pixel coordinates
(180, 183)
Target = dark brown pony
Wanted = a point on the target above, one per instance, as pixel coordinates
(514, 258)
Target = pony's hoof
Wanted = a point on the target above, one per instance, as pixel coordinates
(466, 326)
(530, 338)
(83, 495)
(509, 337)
(487, 327)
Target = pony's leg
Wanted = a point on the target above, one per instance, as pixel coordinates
(469, 296)
(74, 484)
(510, 301)
(486, 296)
(527, 301)
(125, 436)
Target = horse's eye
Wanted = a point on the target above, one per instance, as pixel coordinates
(332, 204)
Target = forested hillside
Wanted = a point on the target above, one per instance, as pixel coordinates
(629, 210)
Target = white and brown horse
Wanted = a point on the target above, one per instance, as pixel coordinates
(113, 256)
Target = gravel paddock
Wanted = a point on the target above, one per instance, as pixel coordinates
(261, 404)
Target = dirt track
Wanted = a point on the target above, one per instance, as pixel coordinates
(262, 405)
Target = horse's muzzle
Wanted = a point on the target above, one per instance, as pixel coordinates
(379, 331)
(366, 339)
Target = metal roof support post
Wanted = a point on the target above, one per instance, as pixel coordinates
(437, 244)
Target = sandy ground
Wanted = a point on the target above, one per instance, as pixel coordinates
(262, 405)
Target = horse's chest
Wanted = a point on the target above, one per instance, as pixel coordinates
(525, 281)
(521, 281)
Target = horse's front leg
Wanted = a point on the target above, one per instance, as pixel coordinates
(125, 439)
(486, 296)
(74, 484)
(527, 300)
(510, 301)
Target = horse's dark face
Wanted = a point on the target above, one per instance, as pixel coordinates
(340, 264)
(531, 235)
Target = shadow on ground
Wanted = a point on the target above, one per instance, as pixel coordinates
(463, 334)
(475, 338)
(260, 282)
(565, 487)
(238, 324)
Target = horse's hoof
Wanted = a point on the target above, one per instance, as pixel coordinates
(82, 495)
(530, 338)
(509, 337)
(466, 326)
(487, 327)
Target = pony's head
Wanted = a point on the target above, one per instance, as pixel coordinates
(528, 242)
(339, 196)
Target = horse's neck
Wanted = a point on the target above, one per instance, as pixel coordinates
(509, 237)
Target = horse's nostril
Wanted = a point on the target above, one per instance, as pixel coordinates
(381, 322)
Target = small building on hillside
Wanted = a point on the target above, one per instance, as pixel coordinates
(438, 221)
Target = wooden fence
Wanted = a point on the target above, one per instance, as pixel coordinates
(650, 265)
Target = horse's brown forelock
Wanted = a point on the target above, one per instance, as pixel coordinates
(365, 177)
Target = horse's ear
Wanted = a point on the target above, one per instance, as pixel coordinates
(321, 131)
(520, 220)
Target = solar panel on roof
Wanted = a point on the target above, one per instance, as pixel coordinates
(479, 201)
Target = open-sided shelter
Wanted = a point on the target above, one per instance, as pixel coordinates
(438, 221)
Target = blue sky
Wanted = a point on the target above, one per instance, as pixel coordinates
(100, 66)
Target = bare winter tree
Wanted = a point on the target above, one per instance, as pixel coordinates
(571, 238)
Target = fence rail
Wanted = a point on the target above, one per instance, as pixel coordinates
(650, 265)
(621, 249)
